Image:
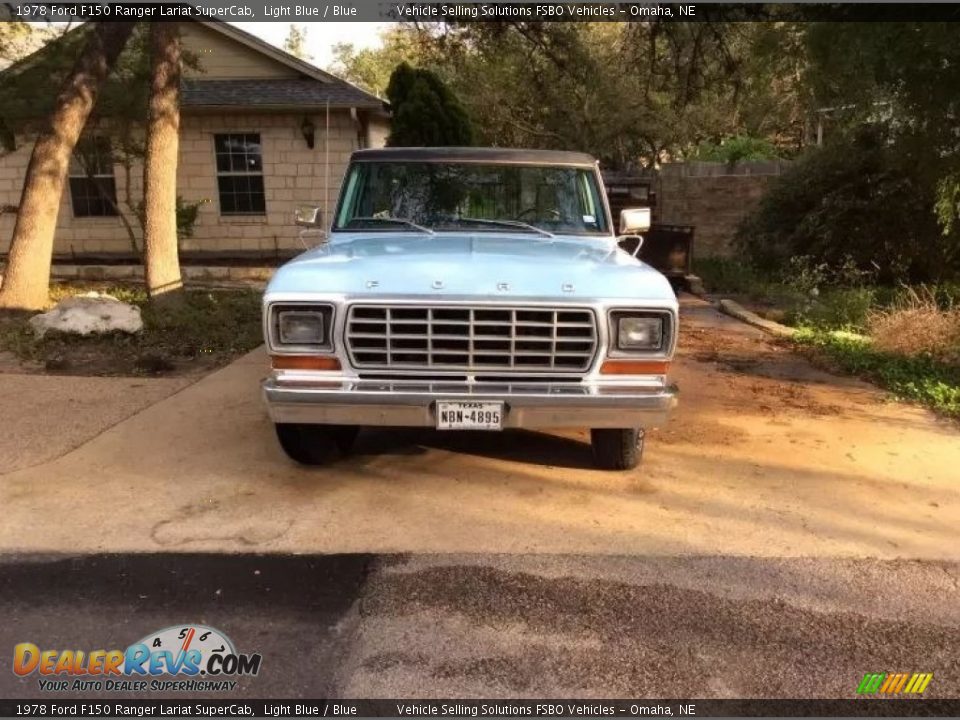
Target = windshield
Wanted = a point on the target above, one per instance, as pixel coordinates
(468, 196)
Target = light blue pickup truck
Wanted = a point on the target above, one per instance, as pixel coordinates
(470, 289)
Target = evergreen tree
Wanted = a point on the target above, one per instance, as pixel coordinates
(425, 112)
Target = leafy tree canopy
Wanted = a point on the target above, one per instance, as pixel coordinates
(906, 75)
(860, 197)
(628, 93)
(370, 68)
(28, 94)
(296, 42)
(735, 149)
(19, 39)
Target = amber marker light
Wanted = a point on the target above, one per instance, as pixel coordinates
(634, 367)
(304, 362)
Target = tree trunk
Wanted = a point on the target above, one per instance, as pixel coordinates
(160, 164)
(26, 283)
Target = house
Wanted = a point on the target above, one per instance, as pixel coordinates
(261, 132)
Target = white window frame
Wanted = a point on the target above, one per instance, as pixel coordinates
(76, 171)
(239, 173)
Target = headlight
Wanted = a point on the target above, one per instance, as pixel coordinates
(642, 332)
(303, 326)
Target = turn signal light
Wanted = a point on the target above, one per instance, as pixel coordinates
(634, 367)
(304, 362)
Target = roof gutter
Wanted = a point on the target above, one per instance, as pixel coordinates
(268, 108)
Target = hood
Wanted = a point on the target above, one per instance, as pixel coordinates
(501, 265)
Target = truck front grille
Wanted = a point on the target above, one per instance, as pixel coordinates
(519, 339)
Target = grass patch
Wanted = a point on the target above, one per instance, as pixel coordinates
(209, 328)
(727, 275)
(920, 378)
(846, 309)
(904, 339)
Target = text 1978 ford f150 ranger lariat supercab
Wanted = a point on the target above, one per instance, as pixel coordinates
(469, 289)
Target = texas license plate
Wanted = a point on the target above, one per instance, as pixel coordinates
(456, 415)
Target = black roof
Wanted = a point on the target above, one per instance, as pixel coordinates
(300, 93)
(475, 154)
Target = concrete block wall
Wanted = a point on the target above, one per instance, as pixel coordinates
(713, 204)
(293, 174)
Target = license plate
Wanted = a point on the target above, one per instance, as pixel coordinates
(455, 415)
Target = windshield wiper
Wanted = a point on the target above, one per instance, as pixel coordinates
(508, 223)
(400, 221)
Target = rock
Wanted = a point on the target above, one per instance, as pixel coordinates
(695, 285)
(87, 314)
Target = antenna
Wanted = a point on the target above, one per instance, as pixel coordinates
(326, 161)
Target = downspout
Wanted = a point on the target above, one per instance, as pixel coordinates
(363, 140)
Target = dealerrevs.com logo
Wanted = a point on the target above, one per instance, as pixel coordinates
(190, 658)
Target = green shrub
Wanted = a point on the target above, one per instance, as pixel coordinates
(835, 309)
(945, 295)
(829, 297)
(863, 199)
(735, 149)
(727, 275)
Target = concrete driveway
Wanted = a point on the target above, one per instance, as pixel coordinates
(765, 456)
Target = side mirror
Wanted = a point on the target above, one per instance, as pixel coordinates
(634, 220)
(310, 216)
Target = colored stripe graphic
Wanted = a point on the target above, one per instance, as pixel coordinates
(870, 683)
(894, 683)
(918, 683)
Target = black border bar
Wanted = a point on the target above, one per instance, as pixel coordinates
(556, 708)
(305, 11)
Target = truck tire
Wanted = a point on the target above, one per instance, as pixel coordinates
(308, 444)
(617, 449)
(344, 435)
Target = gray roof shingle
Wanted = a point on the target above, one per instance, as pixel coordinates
(271, 93)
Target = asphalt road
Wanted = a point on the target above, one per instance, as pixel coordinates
(365, 626)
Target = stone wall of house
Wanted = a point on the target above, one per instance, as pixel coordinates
(712, 198)
(293, 175)
(378, 131)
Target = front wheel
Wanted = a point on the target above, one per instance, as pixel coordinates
(617, 449)
(313, 444)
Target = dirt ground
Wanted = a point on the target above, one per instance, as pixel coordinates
(762, 373)
(765, 456)
(205, 329)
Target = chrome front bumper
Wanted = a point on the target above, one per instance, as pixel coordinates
(412, 404)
